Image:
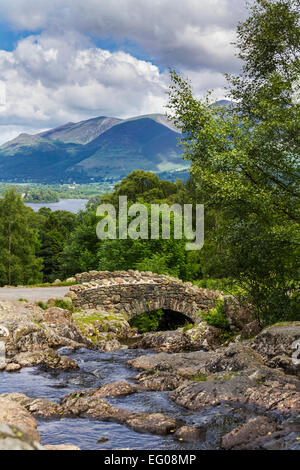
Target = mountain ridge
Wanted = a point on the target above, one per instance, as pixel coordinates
(97, 149)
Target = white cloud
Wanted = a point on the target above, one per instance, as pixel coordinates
(59, 75)
(174, 32)
(50, 81)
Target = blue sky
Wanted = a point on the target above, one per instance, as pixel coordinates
(68, 60)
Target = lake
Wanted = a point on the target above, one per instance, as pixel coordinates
(71, 205)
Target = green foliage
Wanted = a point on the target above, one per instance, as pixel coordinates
(54, 230)
(80, 249)
(216, 317)
(40, 195)
(147, 321)
(64, 304)
(245, 162)
(60, 303)
(198, 378)
(188, 326)
(42, 305)
(19, 243)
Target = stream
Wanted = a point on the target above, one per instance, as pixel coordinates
(96, 369)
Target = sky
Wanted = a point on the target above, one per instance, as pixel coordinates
(69, 60)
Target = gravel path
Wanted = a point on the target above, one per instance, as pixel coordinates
(33, 294)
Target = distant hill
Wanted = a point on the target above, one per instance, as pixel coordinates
(99, 149)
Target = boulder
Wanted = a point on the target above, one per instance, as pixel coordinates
(156, 423)
(201, 337)
(190, 434)
(262, 433)
(36, 406)
(13, 438)
(240, 437)
(13, 414)
(238, 315)
(48, 358)
(277, 340)
(56, 315)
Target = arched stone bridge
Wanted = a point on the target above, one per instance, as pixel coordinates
(134, 293)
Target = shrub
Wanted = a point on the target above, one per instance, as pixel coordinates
(216, 317)
(147, 321)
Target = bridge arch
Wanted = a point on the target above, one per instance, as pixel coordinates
(134, 293)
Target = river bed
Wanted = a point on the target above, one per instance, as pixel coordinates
(96, 369)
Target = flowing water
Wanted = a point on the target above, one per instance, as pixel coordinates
(96, 369)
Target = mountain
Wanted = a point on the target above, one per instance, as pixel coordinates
(81, 132)
(98, 149)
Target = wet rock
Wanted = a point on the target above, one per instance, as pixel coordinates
(182, 364)
(48, 358)
(156, 423)
(157, 380)
(13, 438)
(262, 433)
(36, 406)
(286, 438)
(190, 434)
(93, 407)
(115, 389)
(270, 395)
(13, 414)
(197, 395)
(112, 345)
(90, 402)
(240, 437)
(12, 367)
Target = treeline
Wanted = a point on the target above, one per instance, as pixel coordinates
(60, 244)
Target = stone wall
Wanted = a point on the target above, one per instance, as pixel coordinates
(134, 292)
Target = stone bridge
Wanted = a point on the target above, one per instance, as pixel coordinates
(134, 293)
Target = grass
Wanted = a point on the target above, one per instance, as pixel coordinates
(198, 378)
(23, 300)
(65, 305)
(89, 319)
(48, 284)
(188, 326)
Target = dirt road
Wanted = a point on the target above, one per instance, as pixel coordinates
(33, 294)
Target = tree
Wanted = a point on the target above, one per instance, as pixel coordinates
(18, 243)
(54, 231)
(245, 157)
(80, 249)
